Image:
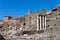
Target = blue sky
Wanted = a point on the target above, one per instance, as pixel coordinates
(21, 7)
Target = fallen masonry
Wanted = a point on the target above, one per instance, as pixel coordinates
(40, 25)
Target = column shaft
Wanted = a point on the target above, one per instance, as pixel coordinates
(45, 22)
(40, 23)
(37, 23)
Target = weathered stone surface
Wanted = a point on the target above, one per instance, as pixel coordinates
(25, 27)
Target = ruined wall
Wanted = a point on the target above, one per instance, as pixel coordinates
(31, 20)
(29, 23)
(53, 24)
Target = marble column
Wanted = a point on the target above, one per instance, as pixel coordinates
(40, 23)
(43, 22)
(37, 23)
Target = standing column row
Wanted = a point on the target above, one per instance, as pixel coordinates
(41, 22)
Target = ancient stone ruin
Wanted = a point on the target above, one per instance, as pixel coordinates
(40, 25)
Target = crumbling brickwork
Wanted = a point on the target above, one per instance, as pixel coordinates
(47, 25)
